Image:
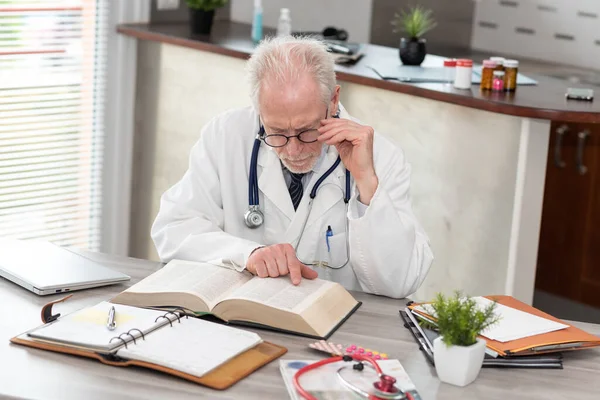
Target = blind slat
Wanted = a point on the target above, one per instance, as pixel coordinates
(48, 207)
(34, 186)
(45, 197)
(17, 224)
(9, 116)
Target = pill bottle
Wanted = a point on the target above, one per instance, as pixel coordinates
(498, 83)
(464, 72)
(511, 70)
(499, 62)
(449, 70)
(487, 74)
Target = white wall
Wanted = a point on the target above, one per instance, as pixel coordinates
(560, 31)
(354, 16)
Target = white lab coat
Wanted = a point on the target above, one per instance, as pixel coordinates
(201, 217)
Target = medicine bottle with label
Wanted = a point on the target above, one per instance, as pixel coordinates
(487, 75)
(464, 72)
(498, 83)
(511, 70)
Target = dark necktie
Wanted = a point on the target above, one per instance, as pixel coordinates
(295, 189)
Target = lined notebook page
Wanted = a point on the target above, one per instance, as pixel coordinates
(193, 346)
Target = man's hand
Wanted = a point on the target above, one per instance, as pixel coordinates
(278, 260)
(354, 143)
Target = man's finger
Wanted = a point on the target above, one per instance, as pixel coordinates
(272, 269)
(328, 123)
(295, 272)
(281, 260)
(308, 272)
(339, 137)
(294, 266)
(261, 269)
(326, 135)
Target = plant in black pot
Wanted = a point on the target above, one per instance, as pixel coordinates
(414, 23)
(202, 14)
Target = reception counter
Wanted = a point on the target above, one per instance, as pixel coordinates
(478, 160)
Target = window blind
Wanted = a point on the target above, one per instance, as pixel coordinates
(52, 63)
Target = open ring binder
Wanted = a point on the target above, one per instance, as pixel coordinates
(177, 350)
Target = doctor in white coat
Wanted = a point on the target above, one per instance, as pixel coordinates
(371, 243)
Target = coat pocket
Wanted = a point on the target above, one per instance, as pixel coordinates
(336, 254)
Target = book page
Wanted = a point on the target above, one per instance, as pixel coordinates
(209, 282)
(281, 293)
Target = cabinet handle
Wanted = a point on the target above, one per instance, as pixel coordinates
(560, 132)
(582, 136)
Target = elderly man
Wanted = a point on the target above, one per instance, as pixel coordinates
(266, 192)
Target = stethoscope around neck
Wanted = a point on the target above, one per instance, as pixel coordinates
(254, 217)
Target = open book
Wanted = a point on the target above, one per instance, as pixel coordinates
(314, 308)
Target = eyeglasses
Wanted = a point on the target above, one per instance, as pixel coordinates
(279, 140)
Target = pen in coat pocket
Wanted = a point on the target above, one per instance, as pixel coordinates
(328, 234)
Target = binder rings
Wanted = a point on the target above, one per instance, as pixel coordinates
(209, 354)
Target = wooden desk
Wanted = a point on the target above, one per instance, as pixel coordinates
(28, 373)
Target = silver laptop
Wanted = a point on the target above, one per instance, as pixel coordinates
(45, 268)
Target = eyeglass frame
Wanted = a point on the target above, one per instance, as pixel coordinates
(265, 135)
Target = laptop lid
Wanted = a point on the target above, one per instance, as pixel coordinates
(45, 268)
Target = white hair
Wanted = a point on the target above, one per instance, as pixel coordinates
(285, 59)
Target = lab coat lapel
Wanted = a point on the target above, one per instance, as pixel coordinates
(272, 183)
(328, 195)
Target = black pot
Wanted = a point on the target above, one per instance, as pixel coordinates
(412, 51)
(201, 21)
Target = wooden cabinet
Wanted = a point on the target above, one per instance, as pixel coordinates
(569, 250)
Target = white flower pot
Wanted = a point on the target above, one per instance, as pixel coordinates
(458, 365)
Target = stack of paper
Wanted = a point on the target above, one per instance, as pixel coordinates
(513, 324)
(522, 329)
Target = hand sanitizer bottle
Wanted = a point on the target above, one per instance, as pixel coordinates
(257, 22)
(284, 26)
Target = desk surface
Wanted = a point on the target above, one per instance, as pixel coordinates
(544, 101)
(34, 374)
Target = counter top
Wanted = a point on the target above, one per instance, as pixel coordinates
(544, 101)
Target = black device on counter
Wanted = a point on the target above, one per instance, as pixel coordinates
(580, 94)
(329, 33)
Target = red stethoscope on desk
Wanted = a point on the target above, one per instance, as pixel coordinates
(384, 389)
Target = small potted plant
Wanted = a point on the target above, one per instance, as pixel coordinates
(458, 352)
(415, 23)
(202, 14)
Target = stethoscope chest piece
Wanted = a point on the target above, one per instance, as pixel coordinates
(254, 217)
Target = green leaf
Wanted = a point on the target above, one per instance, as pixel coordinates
(205, 5)
(459, 319)
(415, 22)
